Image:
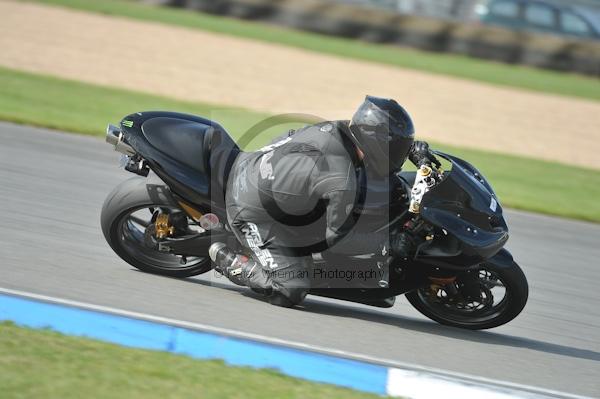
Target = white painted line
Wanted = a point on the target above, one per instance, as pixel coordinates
(419, 385)
(401, 374)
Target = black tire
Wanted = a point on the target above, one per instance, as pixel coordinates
(132, 195)
(516, 289)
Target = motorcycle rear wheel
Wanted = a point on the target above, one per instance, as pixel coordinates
(123, 225)
(479, 314)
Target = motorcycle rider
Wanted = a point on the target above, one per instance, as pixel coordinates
(296, 197)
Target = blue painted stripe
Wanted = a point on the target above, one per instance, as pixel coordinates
(235, 351)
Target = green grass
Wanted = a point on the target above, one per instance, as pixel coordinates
(66, 105)
(446, 64)
(45, 364)
(83, 108)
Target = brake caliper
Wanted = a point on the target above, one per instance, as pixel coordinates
(438, 289)
(162, 227)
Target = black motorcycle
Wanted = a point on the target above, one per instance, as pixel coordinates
(460, 275)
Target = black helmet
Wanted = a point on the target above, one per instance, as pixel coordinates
(384, 132)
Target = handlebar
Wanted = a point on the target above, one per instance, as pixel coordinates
(429, 162)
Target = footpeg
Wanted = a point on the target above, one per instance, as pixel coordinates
(384, 268)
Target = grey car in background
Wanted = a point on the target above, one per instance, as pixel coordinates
(568, 18)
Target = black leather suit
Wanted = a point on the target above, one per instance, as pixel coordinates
(293, 198)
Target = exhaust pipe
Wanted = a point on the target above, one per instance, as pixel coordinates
(114, 137)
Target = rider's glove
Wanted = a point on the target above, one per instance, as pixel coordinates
(420, 154)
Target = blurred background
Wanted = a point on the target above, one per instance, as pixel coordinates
(503, 30)
(578, 18)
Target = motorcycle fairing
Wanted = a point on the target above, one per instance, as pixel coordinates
(465, 206)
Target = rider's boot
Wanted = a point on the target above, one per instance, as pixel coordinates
(245, 271)
(228, 263)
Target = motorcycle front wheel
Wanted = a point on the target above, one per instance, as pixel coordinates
(495, 296)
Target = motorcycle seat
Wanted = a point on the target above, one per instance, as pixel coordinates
(184, 140)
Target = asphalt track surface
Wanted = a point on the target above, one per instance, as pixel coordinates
(52, 186)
